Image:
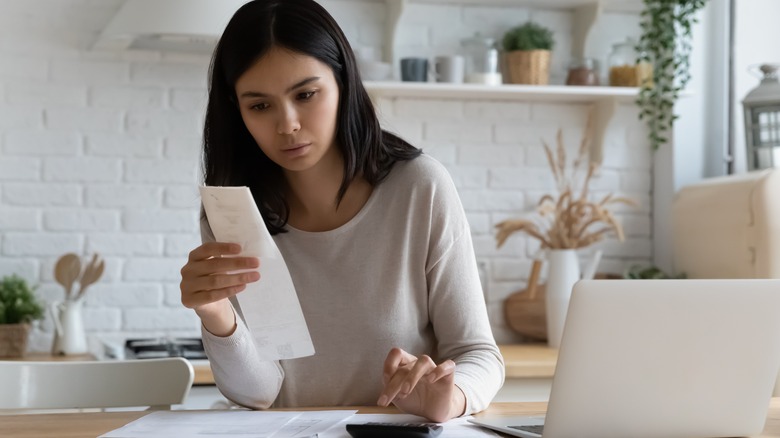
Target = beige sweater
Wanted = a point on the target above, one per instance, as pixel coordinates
(401, 273)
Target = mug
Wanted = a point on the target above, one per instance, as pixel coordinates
(449, 69)
(414, 69)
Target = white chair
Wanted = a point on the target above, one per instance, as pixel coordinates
(728, 227)
(157, 383)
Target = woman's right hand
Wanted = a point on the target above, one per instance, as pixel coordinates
(210, 277)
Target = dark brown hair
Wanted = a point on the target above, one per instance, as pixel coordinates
(231, 157)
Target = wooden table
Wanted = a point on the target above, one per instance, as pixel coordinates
(94, 424)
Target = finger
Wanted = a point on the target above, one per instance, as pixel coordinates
(393, 369)
(424, 366)
(218, 273)
(219, 281)
(402, 365)
(396, 358)
(214, 249)
(445, 369)
(195, 300)
(216, 265)
(215, 278)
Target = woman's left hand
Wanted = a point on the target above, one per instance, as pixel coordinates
(416, 385)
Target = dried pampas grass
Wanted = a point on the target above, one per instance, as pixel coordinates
(571, 220)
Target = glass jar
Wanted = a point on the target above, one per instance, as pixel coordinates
(582, 71)
(625, 69)
(482, 60)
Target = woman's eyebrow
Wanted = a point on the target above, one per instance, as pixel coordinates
(293, 87)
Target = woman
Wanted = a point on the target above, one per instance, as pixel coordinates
(373, 232)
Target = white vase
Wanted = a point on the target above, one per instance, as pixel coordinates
(564, 271)
(69, 334)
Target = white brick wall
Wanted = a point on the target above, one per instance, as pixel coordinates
(99, 153)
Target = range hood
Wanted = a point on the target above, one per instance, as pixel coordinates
(168, 25)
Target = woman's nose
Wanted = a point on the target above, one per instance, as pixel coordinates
(289, 122)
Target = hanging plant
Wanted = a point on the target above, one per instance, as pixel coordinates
(665, 43)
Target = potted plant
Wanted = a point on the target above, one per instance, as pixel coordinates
(564, 222)
(18, 308)
(570, 218)
(527, 55)
(665, 42)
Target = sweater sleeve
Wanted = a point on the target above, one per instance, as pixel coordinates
(457, 304)
(460, 320)
(241, 376)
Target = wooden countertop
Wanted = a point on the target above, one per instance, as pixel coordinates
(529, 360)
(522, 361)
(202, 370)
(46, 357)
(203, 375)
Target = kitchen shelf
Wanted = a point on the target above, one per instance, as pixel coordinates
(603, 99)
(630, 6)
(586, 14)
(554, 93)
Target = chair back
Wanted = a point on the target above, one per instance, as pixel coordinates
(158, 383)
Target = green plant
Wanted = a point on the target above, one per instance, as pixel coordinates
(529, 36)
(666, 44)
(18, 304)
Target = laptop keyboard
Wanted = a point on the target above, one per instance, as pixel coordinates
(532, 429)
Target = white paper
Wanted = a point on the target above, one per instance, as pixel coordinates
(455, 428)
(231, 423)
(270, 305)
(313, 423)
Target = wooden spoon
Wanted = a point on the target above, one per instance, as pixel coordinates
(525, 311)
(66, 272)
(92, 273)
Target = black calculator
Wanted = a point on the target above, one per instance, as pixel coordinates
(394, 430)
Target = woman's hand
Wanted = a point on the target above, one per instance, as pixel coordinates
(209, 278)
(416, 385)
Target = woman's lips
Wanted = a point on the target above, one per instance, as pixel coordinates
(297, 150)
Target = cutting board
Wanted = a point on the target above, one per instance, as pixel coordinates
(524, 310)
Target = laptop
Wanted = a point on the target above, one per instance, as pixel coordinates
(661, 358)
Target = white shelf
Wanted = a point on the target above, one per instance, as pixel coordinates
(554, 93)
(586, 15)
(631, 6)
(603, 99)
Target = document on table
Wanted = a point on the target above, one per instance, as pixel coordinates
(270, 306)
(231, 424)
(273, 424)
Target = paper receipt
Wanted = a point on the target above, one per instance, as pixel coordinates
(270, 305)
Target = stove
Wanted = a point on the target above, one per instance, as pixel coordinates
(153, 348)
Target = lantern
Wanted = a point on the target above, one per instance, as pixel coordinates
(762, 121)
